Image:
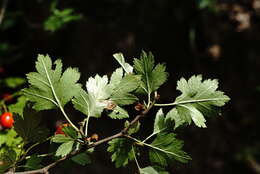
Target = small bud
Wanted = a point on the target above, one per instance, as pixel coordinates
(139, 107)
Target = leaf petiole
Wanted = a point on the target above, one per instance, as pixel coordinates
(190, 101)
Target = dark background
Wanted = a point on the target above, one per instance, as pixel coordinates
(219, 40)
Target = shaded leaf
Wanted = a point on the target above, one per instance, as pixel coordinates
(33, 163)
(121, 149)
(29, 127)
(82, 159)
(166, 147)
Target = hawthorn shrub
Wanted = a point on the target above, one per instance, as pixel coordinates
(134, 86)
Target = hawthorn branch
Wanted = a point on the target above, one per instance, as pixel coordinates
(123, 132)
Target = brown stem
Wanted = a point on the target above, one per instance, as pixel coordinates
(123, 132)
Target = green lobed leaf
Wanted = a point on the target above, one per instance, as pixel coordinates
(121, 149)
(148, 170)
(165, 148)
(118, 113)
(198, 99)
(49, 88)
(152, 77)
(121, 60)
(29, 127)
(65, 148)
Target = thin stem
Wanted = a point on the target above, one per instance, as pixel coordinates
(42, 155)
(139, 168)
(31, 147)
(86, 126)
(149, 100)
(154, 133)
(67, 118)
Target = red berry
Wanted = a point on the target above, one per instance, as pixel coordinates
(6, 120)
(59, 130)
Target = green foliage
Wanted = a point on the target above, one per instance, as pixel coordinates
(14, 82)
(210, 4)
(9, 140)
(7, 159)
(29, 127)
(49, 88)
(121, 149)
(165, 148)
(152, 76)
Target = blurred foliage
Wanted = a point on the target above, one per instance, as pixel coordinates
(59, 18)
